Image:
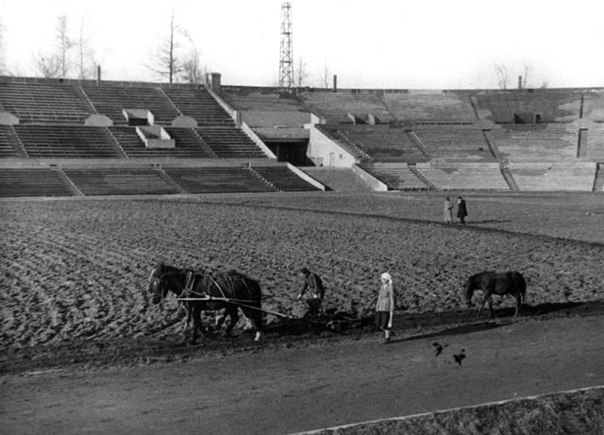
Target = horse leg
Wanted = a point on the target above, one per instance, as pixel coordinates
(232, 312)
(490, 307)
(255, 317)
(196, 314)
(518, 304)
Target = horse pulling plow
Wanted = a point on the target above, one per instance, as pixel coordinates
(228, 292)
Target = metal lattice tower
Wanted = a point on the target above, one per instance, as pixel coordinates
(286, 53)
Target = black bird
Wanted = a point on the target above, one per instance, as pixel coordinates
(460, 356)
(439, 347)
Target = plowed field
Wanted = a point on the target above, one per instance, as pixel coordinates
(74, 271)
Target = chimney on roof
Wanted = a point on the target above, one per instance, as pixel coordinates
(215, 82)
(98, 75)
(519, 82)
(335, 83)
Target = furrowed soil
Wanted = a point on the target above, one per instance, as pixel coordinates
(74, 272)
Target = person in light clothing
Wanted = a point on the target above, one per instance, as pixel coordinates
(385, 306)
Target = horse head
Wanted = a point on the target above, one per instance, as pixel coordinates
(470, 286)
(157, 285)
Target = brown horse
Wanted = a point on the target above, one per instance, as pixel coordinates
(492, 283)
(204, 291)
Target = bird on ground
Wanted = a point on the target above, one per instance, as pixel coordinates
(439, 347)
(460, 356)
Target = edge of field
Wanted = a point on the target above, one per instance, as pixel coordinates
(575, 411)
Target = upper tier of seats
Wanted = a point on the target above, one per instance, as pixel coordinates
(43, 103)
(544, 143)
(199, 105)
(431, 106)
(593, 105)
(267, 107)
(229, 142)
(111, 100)
(335, 106)
(546, 105)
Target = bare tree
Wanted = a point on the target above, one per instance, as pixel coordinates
(165, 62)
(2, 65)
(86, 56)
(325, 77)
(302, 73)
(502, 75)
(527, 69)
(192, 71)
(57, 63)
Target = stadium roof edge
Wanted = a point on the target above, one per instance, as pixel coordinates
(120, 83)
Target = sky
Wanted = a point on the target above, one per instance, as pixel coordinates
(394, 44)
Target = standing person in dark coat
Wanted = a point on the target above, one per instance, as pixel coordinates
(312, 291)
(462, 210)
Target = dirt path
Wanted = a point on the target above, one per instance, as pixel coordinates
(317, 386)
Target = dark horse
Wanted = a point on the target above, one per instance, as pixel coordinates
(224, 290)
(492, 283)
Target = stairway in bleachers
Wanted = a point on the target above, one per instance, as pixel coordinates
(187, 144)
(119, 181)
(398, 176)
(53, 141)
(35, 103)
(283, 178)
(199, 105)
(9, 144)
(230, 143)
(217, 179)
(111, 100)
(599, 179)
(32, 182)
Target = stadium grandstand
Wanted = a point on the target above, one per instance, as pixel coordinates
(87, 138)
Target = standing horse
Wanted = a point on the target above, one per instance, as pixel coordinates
(492, 283)
(225, 290)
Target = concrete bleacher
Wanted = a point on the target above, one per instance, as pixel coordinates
(593, 105)
(338, 179)
(187, 144)
(197, 103)
(32, 182)
(35, 103)
(335, 106)
(229, 142)
(398, 176)
(9, 144)
(551, 105)
(430, 106)
(267, 107)
(464, 176)
(283, 179)
(218, 179)
(383, 143)
(450, 143)
(63, 141)
(111, 100)
(119, 181)
(542, 142)
(558, 176)
(593, 148)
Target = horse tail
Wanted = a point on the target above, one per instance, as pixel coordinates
(521, 283)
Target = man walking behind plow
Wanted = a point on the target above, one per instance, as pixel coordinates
(313, 291)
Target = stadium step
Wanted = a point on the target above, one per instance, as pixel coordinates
(508, 177)
(423, 179)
